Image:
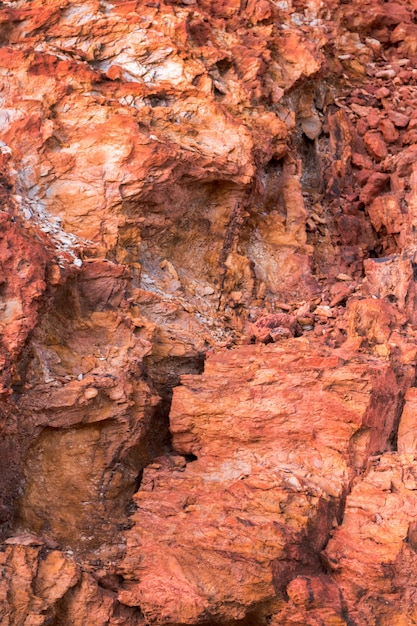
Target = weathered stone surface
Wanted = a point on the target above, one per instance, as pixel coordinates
(22, 573)
(184, 177)
(388, 278)
(42, 586)
(375, 145)
(373, 551)
(407, 429)
(277, 432)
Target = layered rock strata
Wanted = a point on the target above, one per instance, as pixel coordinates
(222, 186)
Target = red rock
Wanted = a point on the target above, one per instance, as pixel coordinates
(381, 93)
(373, 187)
(409, 138)
(388, 130)
(373, 551)
(404, 161)
(394, 13)
(399, 33)
(399, 119)
(372, 320)
(389, 278)
(363, 176)
(407, 430)
(362, 161)
(361, 127)
(169, 173)
(373, 118)
(261, 330)
(77, 388)
(49, 585)
(339, 293)
(385, 211)
(349, 227)
(375, 145)
(24, 264)
(202, 545)
(315, 598)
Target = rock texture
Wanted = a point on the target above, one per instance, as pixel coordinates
(208, 328)
(273, 461)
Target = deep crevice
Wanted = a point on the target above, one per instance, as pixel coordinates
(164, 375)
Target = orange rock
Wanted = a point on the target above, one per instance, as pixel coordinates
(169, 173)
(40, 585)
(375, 145)
(264, 328)
(388, 130)
(385, 212)
(373, 187)
(214, 532)
(373, 118)
(362, 161)
(382, 92)
(389, 278)
(399, 119)
(407, 430)
(372, 552)
(372, 319)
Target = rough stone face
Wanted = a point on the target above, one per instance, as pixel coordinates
(222, 193)
(407, 443)
(277, 433)
(45, 586)
(378, 536)
(90, 409)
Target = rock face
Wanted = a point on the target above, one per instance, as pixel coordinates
(208, 218)
(272, 462)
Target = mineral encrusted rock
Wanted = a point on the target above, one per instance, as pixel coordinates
(208, 327)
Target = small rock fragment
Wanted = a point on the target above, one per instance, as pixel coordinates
(375, 144)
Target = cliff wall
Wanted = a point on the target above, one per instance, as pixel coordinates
(208, 321)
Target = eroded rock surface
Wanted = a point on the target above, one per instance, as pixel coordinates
(219, 195)
(273, 461)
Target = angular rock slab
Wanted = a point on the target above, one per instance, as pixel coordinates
(274, 434)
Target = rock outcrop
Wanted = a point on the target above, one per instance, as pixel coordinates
(270, 466)
(208, 322)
